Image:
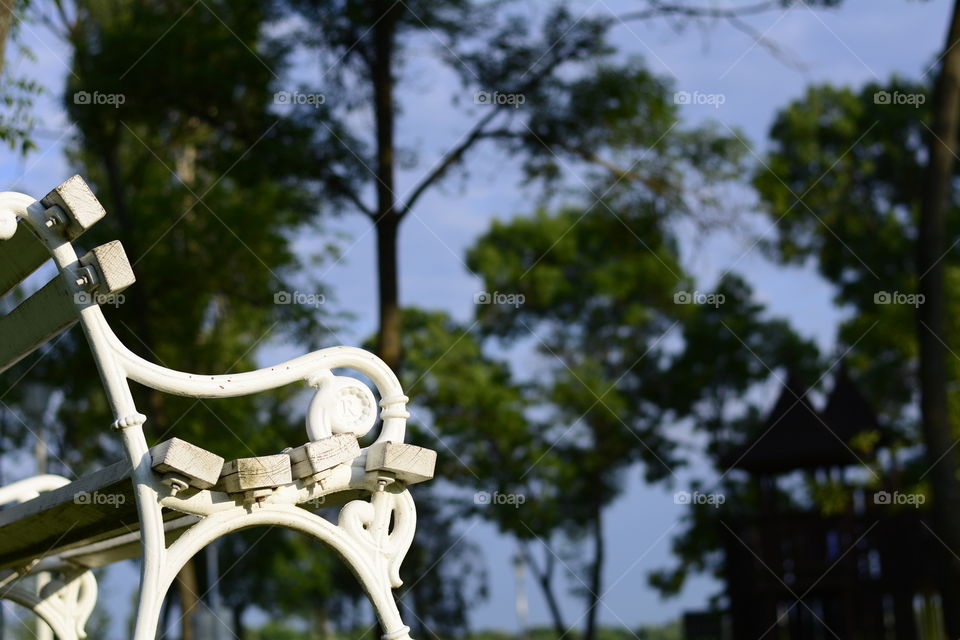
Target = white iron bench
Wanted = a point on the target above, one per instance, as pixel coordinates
(168, 502)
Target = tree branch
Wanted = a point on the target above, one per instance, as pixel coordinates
(772, 47)
(477, 132)
(340, 186)
(451, 158)
(732, 15)
(660, 10)
(656, 186)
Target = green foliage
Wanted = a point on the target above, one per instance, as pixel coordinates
(199, 179)
(17, 92)
(204, 217)
(16, 119)
(843, 180)
(617, 362)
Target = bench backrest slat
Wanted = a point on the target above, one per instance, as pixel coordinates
(39, 318)
(53, 309)
(76, 209)
(20, 256)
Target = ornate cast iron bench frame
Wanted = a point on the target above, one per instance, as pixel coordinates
(182, 497)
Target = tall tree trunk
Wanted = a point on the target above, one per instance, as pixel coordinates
(596, 575)
(387, 219)
(187, 578)
(388, 345)
(931, 321)
(6, 24)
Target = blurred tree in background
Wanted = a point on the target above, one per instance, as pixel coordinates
(860, 159)
(200, 182)
(620, 359)
(16, 91)
(580, 107)
(843, 182)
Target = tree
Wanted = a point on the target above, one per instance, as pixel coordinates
(554, 96)
(369, 46)
(619, 360)
(199, 179)
(16, 93)
(848, 180)
(579, 108)
(943, 142)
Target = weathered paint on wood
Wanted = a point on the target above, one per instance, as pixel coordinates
(199, 467)
(315, 457)
(113, 267)
(409, 463)
(20, 256)
(77, 203)
(262, 472)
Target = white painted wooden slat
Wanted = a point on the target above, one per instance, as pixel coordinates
(113, 268)
(262, 472)
(316, 457)
(20, 256)
(77, 210)
(409, 463)
(53, 309)
(199, 467)
(77, 204)
(35, 321)
(92, 505)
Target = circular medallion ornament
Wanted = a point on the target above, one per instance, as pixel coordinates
(343, 405)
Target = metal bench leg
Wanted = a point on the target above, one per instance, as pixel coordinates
(149, 603)
(362, 537)
(377, 552)
(153, 583)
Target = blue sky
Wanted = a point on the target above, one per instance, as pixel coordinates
(866, 40)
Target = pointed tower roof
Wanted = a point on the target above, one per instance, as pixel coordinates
(796, 436)
(847, 412)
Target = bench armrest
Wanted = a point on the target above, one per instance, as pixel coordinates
(313, 368)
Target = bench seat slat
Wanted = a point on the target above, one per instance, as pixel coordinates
(123, 546)
(75, 512)
(93, 520)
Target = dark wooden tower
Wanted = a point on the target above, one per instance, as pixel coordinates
(794, 572)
